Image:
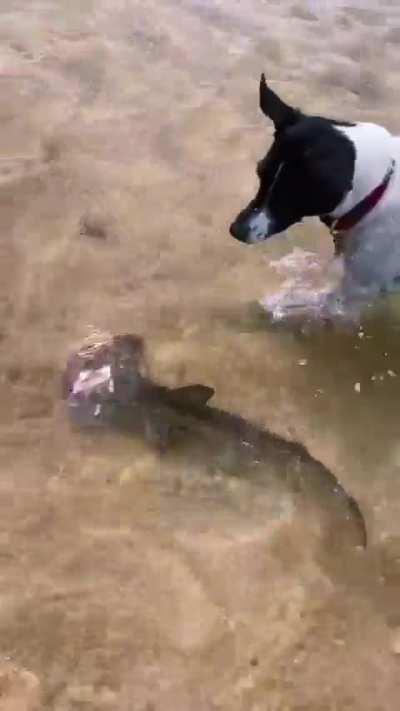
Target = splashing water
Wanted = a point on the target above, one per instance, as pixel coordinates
(302, 293)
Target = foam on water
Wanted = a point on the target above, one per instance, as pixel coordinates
(307, 290)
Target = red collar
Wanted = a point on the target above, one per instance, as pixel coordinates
(350, 219)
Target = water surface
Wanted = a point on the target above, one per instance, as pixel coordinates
(129, 135)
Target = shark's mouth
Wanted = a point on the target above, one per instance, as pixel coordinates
(90, 391)
(100, 375)
(90, 381)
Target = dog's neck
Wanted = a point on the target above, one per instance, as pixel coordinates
(373, 148)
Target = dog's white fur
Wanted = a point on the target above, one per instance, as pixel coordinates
(259, 224)
(371, 254)
(372, 247)
(258, 227)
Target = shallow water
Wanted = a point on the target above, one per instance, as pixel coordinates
(129, 138)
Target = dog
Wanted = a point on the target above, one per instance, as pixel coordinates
(346, 174)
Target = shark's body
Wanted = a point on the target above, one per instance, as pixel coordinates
(108, 388)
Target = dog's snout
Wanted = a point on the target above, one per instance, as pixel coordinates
(232, 230)
(239, 231)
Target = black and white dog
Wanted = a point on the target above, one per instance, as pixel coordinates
(347, 174)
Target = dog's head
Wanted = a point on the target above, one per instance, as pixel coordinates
(307, 171)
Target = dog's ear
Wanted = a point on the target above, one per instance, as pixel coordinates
(274, 108)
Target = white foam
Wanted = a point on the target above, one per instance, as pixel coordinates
(310, 289)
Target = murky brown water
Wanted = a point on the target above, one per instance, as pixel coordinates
(129, 133)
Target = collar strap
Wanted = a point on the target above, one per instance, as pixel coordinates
(362, 209)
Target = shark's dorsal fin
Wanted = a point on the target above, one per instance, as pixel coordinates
(191, 395)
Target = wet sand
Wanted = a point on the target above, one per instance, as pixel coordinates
(129, 138)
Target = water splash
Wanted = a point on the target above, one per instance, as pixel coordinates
(307, 290)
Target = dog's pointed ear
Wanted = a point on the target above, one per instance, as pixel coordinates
(274, 108)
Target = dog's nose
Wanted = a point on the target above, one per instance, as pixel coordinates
(238, 231)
